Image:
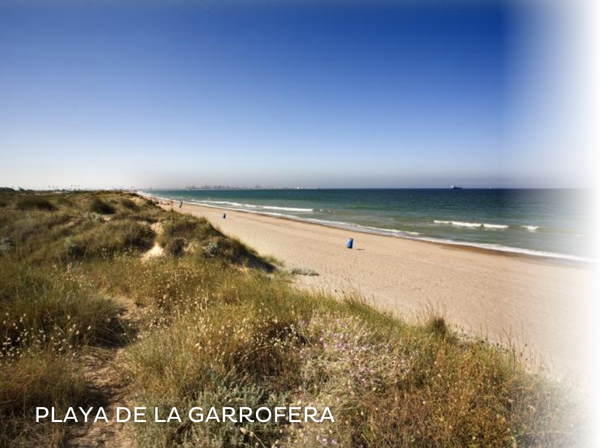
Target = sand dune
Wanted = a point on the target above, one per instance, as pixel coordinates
(542, 305)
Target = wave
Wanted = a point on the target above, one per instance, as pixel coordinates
(509, 249)
(473, 225)
(253, 206)
(233, 204)
(394, 231)
(417, 237)
(289, 209)
(495, 226)
(399, 233)
(366, 229)
(460, 223)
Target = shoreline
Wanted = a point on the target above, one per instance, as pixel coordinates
(488, 248)
(536, 306)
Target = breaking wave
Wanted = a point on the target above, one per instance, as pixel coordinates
(287, 209)
(473, 225)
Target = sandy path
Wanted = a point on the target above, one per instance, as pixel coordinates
(105, 389)
(542, 303)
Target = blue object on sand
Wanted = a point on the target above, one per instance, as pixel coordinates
(350, 243)
(224, 215)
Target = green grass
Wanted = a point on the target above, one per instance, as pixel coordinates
(218, 325)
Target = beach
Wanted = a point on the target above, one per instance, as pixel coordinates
(540, 306)
(113, 304)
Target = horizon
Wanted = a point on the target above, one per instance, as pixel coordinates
(260, 188)
(307, 95)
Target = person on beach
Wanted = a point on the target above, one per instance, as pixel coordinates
(180, 204)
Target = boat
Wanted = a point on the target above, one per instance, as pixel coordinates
(455, 187)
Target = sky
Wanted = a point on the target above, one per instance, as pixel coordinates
(311, 94)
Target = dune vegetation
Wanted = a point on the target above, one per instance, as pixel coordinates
(109, 300)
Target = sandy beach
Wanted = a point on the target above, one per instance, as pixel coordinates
(538, 304)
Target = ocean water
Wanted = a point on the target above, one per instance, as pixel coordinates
(548, 223)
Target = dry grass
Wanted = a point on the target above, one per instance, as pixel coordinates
(35, 203)
(102, 207)
(219, 328)
(39, 378)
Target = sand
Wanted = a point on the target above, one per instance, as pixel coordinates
(542, 306)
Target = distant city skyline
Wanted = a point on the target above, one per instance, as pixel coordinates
(312, 95)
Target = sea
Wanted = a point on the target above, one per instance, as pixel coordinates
(546, 223)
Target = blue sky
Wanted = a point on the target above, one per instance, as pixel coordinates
(362, 94)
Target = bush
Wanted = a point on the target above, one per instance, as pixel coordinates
(194, 231)
(64, 202)
(35, 203)
(232, 250)
(74, 249)
(129, 204)
(93, 217)
(188, 227)
(99, 206)
(175, 247)
(110, 238)
(6, 245)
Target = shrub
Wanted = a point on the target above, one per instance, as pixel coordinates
(188, 227)
(437, 325)
(6, 244)
(175, 247)
(93, 217)
(64, 202)
(299, 270)
(110, 238)
(232, 250)
(129, 204)
(99, 206)
(35, 203)
(74, 249)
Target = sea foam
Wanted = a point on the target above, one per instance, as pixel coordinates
(460, 223)
(495, 226)
(251, 208)
(287, 209)
(473, 225)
